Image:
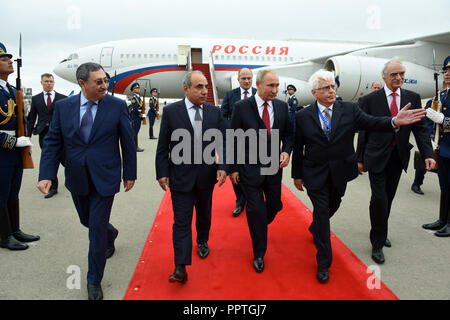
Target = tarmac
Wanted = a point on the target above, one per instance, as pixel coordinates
(55, 267)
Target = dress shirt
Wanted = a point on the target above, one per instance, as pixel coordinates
(322, 108)
(249, 93)
(390, 98)
(3, 84)
(83, 107)
(191, 110)
(52, 96)
(260, 105)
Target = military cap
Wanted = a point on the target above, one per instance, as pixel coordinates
(3, 52)
(153, 89)
(446, 63)
(291, 86)
(134, 85)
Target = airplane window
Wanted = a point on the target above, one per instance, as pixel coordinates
(139, 55)
(169, 56)
(251, 58)
(257, 58)
(157, 55)
(128, 55)
(223, 58)
(174, 55)
(133, 55)
(121, 56)
(228, 57)
(75, 56)
(145, 55)
(151, 55)
(234, 57)
(163, 56)
(292, 59)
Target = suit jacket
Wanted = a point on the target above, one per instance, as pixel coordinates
(231, 97)
(39, 109)
(315, 157)
(246, 116)
(100, 157)
(374, 148)
(183, 177)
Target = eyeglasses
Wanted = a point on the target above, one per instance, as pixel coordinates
(99, 82)
(328, 88)
(395, 74)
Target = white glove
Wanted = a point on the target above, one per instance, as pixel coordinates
(434, 116)
(23, 142)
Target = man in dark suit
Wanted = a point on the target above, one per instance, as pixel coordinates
(191, 181)
(262, 112)
(245, 79)
(42, 106)
(88, 128)
(385, 155)
(324, 158)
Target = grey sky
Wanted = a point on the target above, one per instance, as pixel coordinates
(53, 29)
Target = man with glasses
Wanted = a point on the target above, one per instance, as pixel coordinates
(324, 159)
(88, 128)
(42, 106)
(385, 155)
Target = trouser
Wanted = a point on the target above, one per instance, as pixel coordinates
(94, 212)
(444, 183)
(183, 204)
(240, 195)
(41, 144)
(326, 202)
(263, 204)
(384, 186)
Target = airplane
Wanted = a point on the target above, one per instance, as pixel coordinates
(162, 63)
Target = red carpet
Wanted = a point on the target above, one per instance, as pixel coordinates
(227, 273)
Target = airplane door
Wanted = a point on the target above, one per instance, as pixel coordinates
(196, 54)
(106, 57)
(183, 53)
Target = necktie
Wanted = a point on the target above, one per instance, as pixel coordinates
(87, 121)
(327, 117)
(245, 94)
(197, 122)
(266, 118)
(49, 101)
(394, 108)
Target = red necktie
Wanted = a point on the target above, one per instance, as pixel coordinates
(49, 100)
(394, 108)
(266, 118)
(245, 94)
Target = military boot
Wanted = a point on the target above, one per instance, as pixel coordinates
(13, 208)
(443, 213)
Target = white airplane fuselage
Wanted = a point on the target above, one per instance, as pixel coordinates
(162, 63)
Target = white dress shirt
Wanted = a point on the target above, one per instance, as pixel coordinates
(322, 108)
(52, 96)
(260, 104)
(3, 84)
(191, 110)
(390, 98)
(249, 93)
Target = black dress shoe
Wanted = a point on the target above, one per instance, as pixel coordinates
(237, 211)
(11, 243)
(387, 243)
(179, 275)
(258, 264)
(51, 193)
(23, 237)
(416, 189)
(111, 248)
(434, 225)
(95, 292)
(153, 138)
(378, 256)
(139, 149)
(323, 275)
(444, 231)
(203, 250)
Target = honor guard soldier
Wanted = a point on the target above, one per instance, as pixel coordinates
(441, 117)
(152, 111)
(135, 110)
(11, 167)
(292, 102)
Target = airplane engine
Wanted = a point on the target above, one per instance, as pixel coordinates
(303, 92)
(357, 73)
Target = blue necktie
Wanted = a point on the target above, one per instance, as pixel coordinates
(87, 121)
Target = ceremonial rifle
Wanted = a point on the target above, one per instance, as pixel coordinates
(435, 105)
(144, 121)
(26, 151)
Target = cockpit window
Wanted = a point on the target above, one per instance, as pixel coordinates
(72, 56)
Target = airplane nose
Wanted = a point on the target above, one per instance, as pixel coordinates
(64, 72)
